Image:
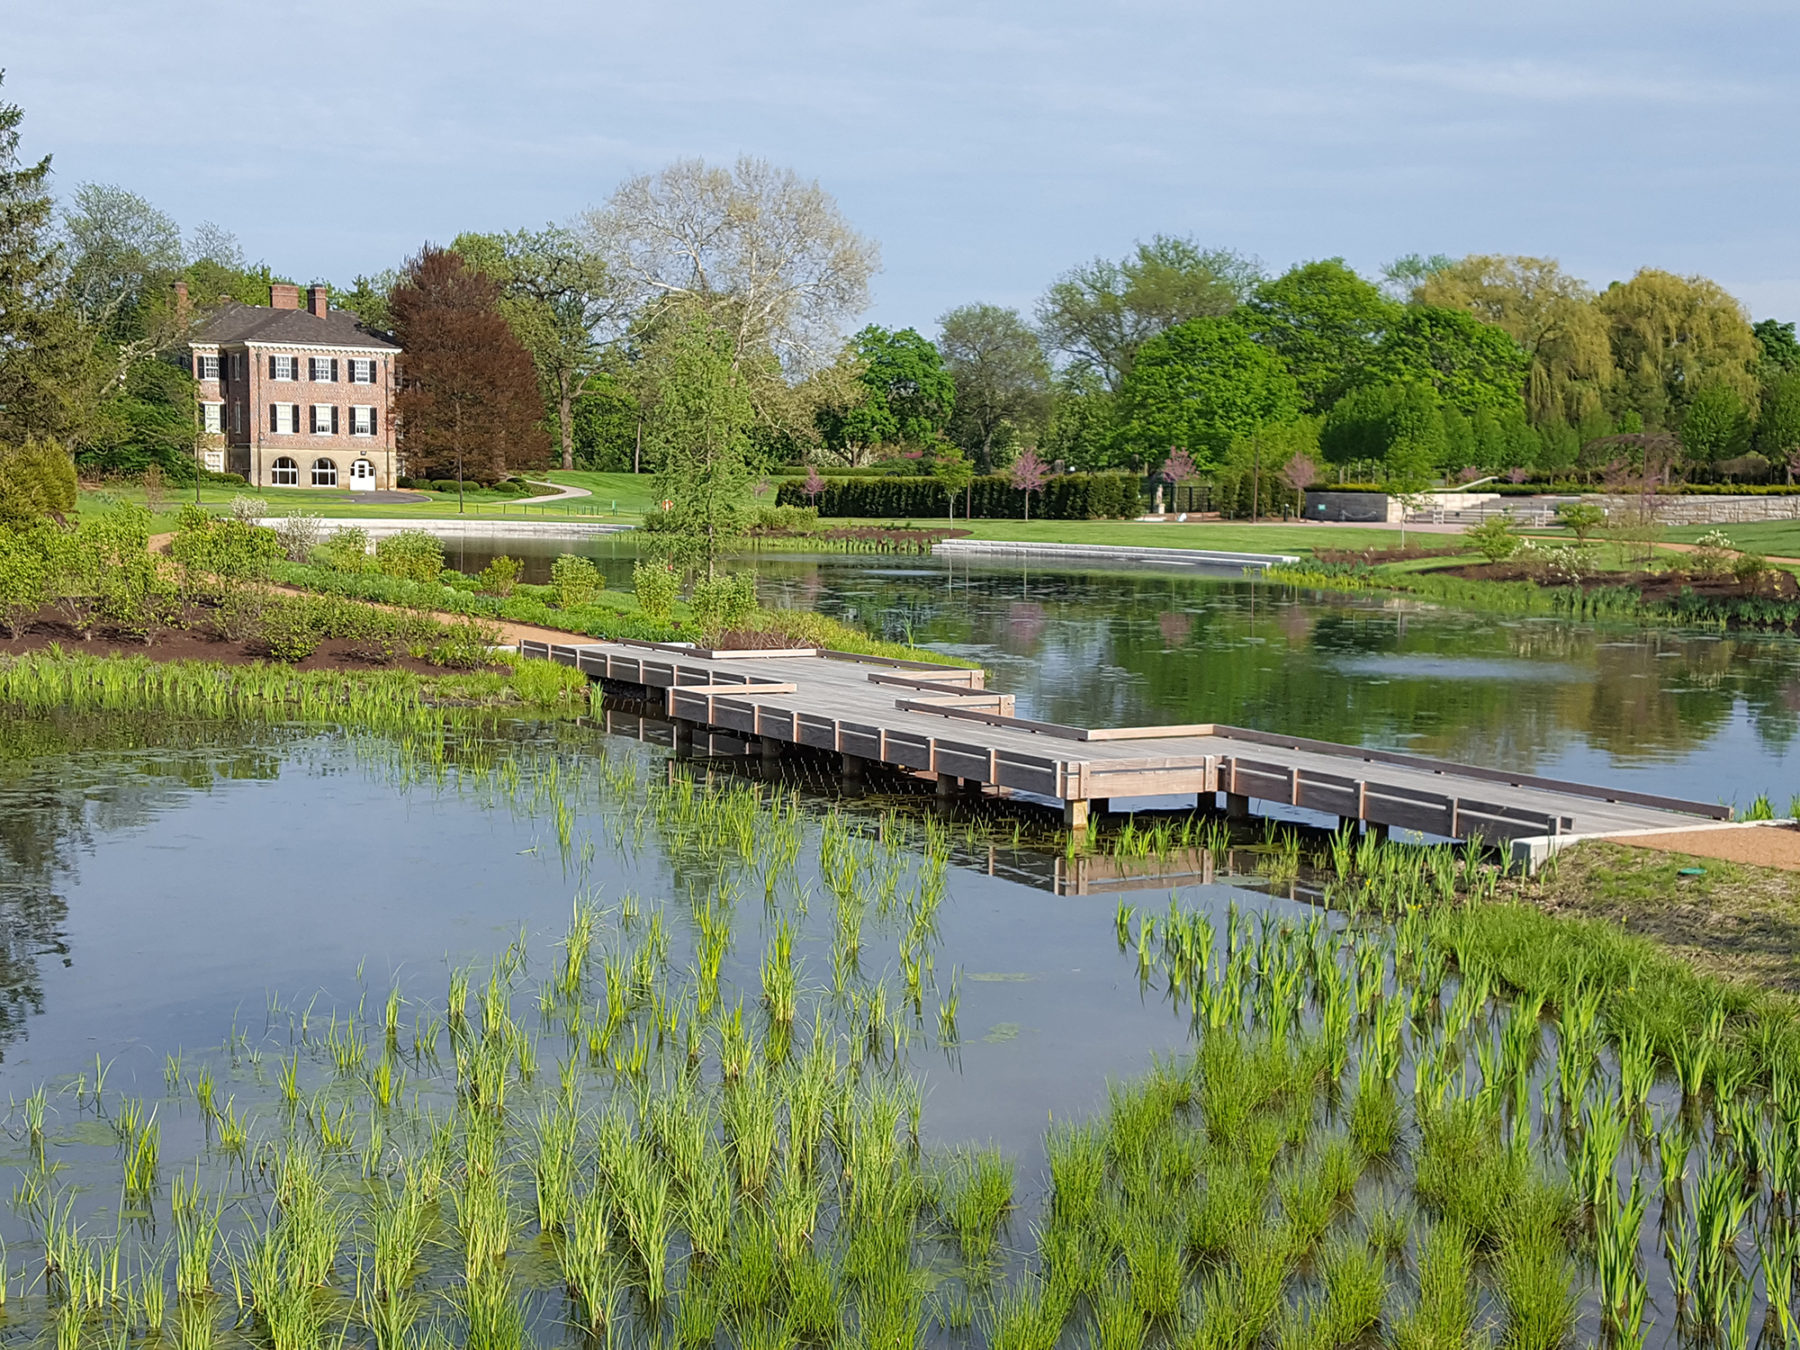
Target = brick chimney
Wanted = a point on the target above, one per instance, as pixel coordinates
(282, 296)
(318, 300)
(181, 303)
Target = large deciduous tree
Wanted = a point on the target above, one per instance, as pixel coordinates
(1468, 363)
(1002, 378)
(1200, 385)
(764, 254)
(558, 296)
(1550, 314)
(46, 357)
(1101, 312)
(468, 401)
(1778, 427)
(887, 387)
(1777, 347)
(1715, 425)
(1672, 337)
(1324, 321)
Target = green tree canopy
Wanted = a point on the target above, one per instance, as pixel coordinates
(1549, 313)
(1778, 428)
(1324, 321)
(1777, 348)
(1083, 429)
(1002, 378)
(697, 429)
(909, 390)
(1201, 385)
(1468, 363)
(1101, 312)
(1672, 337)
(1716, 425)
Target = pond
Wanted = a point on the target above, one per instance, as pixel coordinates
(529, 1031)
(1710, 716)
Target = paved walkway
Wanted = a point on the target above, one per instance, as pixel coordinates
(563, 493)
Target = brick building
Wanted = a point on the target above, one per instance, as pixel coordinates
(295, 397)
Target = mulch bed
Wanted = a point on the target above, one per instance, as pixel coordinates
(1374, 556)
(197, 642)
(1774, 585)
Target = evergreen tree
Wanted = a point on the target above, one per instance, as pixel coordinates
(46, 360)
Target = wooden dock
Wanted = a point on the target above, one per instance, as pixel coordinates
(942, 722)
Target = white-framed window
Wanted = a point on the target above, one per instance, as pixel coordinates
(362, 420)
(324, 473)
(207, 368)
(362, 371)
(284, 418)
(284, 473)
(322, 369)
(212, 417)
(324, 419)
(284, 367)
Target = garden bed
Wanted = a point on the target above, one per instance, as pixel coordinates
(1653, 587)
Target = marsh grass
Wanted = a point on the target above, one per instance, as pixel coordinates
(1413, 1117)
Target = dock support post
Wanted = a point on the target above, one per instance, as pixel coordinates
(771, 749)
(684, 740)
(1378, 830)
(1237, 806)
(1075, 814)
(850, 766)
(1099, 806)
(947, 785)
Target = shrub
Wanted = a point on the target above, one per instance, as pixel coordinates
(1712, 554)
(347, 550)
(248, 510)
(442, 485)
(1749, 569)
(784, 519)
(500, 576)
(220, 553)
(411, 555)
(1496, 538)
(575, 580)
(24, 576)
(1581, 518)
(300, 533)
(467, 646)
(545, 683)
(405, 482)
(724, 602)
(286, 632)
(1074, 496)
(655, 584)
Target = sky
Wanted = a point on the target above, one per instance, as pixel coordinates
(986, 147)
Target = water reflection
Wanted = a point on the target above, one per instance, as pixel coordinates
(1706, 715)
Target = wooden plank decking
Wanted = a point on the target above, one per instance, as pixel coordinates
(941, 721)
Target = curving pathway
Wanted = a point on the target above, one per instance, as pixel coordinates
(563, 492)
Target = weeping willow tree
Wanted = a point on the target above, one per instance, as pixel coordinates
(1549, 313)
(1673, 337)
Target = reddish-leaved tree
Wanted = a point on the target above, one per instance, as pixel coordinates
(468, 404)
(1029, 474)
(814, 486)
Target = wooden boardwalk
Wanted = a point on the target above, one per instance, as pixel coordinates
(942, 722)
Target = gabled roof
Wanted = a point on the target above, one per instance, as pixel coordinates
(238, 322)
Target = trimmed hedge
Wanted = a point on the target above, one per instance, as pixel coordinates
(1073, 496)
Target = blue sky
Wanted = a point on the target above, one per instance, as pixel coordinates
(986, 146)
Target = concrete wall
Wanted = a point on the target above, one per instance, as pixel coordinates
(1371, 506)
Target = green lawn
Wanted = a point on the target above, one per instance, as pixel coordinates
(342, 504)
(1235, 536)
(1779, 538)
(632, 492)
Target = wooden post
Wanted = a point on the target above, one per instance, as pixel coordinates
(947, 784)
(1075, 814)
(1237, 806)
(851, 766)
(684, 740)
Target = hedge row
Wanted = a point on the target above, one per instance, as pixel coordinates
(1074, 496)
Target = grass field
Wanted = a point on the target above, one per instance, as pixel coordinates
(1778, 538)
(351, 506)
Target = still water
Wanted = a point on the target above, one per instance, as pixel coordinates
(1711, 716)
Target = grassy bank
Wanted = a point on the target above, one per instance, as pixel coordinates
(1232, 535)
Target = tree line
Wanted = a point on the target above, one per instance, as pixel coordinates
(693, 326)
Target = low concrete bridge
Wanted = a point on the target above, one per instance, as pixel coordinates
(941, 722)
